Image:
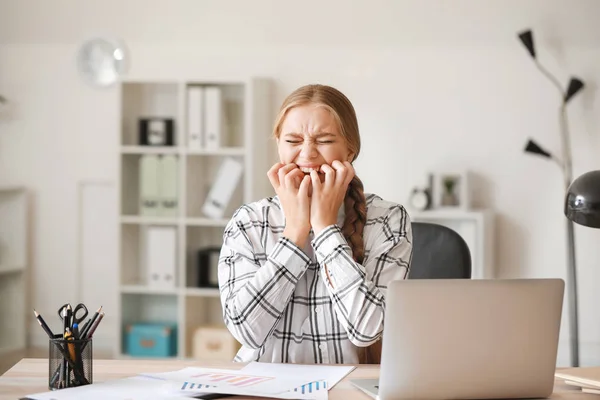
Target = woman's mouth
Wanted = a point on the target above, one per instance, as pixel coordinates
(308, 170)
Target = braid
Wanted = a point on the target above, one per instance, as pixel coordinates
(356, 217)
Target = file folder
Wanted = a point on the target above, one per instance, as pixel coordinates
(161, 256)
(219, 196)
(149, 196)
(169, 203)
(195, 117)
(213, 117)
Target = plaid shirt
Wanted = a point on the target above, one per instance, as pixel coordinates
(276, 297)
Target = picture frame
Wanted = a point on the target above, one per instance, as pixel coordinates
(451, 190)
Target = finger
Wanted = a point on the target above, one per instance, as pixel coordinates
(344, 173)
(293, 178)
(351, 173)
(272, 175)
(283, 171)
(341, 172)
(329, 175)
(315, 181)
(304, 186)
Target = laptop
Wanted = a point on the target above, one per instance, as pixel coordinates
(469, 339)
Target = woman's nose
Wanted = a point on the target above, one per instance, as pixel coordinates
(308, 150)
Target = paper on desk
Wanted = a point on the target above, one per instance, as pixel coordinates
(233, 381)
(309, 391)
(132, 388)
(310, 373)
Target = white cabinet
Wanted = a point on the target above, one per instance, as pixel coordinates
(476, 227)
(13, 269)
(246, 118)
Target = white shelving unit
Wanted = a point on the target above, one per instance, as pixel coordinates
(477, 229)
(13, 269)
(249, 115)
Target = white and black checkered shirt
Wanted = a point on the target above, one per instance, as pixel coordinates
(277, 300)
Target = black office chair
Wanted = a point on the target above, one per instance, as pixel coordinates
(438, 253)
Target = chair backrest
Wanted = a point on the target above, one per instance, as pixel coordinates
(439, 252)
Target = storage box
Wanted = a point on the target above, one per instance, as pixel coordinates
(151, 340)
(214, 343)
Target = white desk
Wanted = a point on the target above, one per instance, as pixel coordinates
(30, 376)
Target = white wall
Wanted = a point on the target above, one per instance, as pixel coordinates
(435, 84)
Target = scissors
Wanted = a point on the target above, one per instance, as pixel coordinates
(79, 313)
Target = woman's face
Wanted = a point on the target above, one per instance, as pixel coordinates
(310, 137)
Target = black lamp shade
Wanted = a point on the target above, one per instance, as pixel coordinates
(532, 147)
(527, 39)
(582, 203)
(575, 85)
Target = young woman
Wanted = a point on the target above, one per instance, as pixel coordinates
(303, 274)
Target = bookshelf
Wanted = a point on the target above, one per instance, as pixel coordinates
(247, 122)
(13, 268)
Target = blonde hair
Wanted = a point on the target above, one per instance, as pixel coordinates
(355, 205)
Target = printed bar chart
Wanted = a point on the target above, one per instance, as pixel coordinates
(239, 380)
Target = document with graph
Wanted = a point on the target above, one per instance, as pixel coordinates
(282, 383)
(332, 374)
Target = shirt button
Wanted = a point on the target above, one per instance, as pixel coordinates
(317, 309)
(322, 346)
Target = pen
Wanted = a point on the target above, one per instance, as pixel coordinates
(46, 329)
(66, 320)
(76, 331)
(84, 328)
(69, 316)
(43, 324)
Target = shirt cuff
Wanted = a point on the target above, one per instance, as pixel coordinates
(329, 245)
(288, 255)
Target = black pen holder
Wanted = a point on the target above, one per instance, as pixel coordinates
(69, 363)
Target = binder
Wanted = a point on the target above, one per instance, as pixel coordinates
(195, 117)
(156, 132)
(214, 118)
(208, 266)
(149, 197)
(228, 176)
(161, 256)
(168, 185)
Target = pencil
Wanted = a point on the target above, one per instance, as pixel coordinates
(93, 328)
(69, 338)
(85, 330)
(43, 324)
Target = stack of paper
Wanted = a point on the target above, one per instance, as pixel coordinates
(281, 381)
(585, 378)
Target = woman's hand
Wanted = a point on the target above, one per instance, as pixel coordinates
(328, 196)
(291, 186)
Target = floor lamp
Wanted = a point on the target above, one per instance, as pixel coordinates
(575, 85)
